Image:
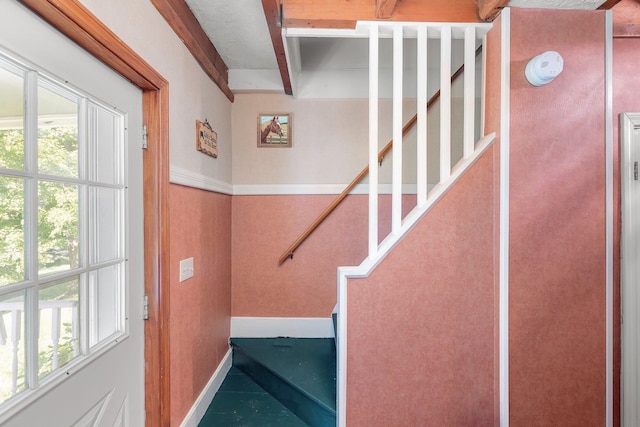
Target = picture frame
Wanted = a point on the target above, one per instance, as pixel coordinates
(274, 130)
(206, 139)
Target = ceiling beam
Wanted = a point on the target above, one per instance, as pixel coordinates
(188, 29)
(345, 13)
(272, 13)
(608, 4)
(489, 9)
(384, 8)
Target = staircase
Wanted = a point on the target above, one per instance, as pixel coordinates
(277, 382)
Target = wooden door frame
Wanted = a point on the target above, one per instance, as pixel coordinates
(76, 22)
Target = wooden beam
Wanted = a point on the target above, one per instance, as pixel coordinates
(384, 8)
(272, 13)
(73, 20)
(608, 4)
(489, 9)
(186, 26)
(345, 13)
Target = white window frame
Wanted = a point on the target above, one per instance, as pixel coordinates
(35, 387)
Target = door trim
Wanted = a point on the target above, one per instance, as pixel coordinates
(630, 328)
(76, 22)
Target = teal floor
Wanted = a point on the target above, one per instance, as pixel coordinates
(240, 402)
(308, 364)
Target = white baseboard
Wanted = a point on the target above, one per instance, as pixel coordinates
(271, 327)
(203, 401)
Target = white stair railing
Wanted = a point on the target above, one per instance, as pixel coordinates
(472, 34)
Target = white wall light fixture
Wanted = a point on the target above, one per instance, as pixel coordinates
(544, 68)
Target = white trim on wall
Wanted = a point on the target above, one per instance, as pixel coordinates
(309, 189)
(609, 212)
(505, 118)
(272, 327)
(203, 401)
(188, 178)
(286, 189)
(178, 175)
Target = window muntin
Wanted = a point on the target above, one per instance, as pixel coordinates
(62, 228)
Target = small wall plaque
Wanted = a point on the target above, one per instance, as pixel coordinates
(206, 139)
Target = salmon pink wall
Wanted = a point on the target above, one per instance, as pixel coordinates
(265, 226)
(421, 326)
(626, 87)
(200, 306)
(557, 223)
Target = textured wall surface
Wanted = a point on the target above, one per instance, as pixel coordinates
(192, 94)
(557, 223)
(200, 306)
(265, 226)
(421, 326)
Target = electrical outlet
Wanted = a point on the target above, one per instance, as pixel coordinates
(186, 269)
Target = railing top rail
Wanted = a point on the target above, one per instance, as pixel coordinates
(362, 29)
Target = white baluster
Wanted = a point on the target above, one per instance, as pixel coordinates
(55, 335)
(3, 330)
(15, 340)
(445, 103)
(74, 329)
(396, 184)
(373, 140)
(469, 90)
(422, 116)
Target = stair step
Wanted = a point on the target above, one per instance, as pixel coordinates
(334, 318)
(299, 372)
(242, 402)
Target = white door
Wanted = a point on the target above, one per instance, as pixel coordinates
(630, 270)
(71, 233)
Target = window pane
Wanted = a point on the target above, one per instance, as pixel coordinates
(11, 230)
(104, 223)
(104, 297)
(57, 134)
(11, 120)
(105, 146)
(59, 325)
(12, 345)
(58, 246)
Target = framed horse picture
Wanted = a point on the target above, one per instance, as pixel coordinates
(274, 130)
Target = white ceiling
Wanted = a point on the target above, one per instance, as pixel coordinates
(238, 30)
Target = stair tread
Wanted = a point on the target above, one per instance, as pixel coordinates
(307, 363)
(240, 402)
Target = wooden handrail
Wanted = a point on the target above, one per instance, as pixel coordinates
(291, 249)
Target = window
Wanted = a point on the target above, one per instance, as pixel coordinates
(62, 228)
